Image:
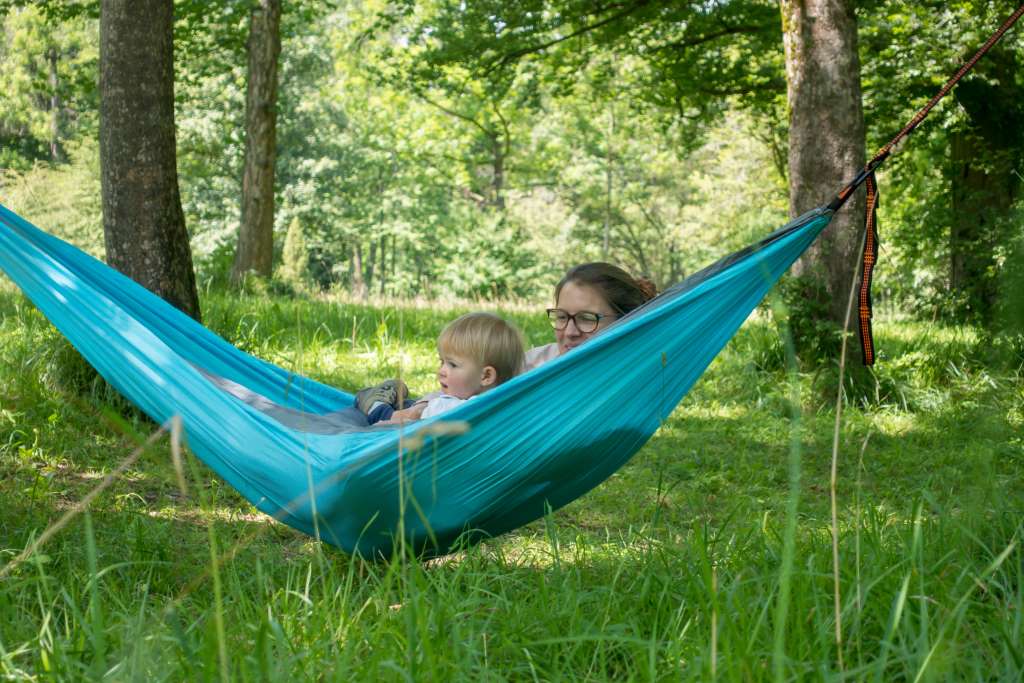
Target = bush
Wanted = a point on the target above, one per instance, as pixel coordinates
(816, 339)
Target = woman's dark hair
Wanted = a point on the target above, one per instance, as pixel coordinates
(622, 291)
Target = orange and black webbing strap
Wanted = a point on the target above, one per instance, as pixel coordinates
(868, 258)
(867, 177)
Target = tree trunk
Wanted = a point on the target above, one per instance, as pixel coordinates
(394, 256)
(982, 196)
(55, 151)
(382, 274)
(418, 259)
(143, 224)
(826, 138)
(358, 285)
(371, 264)
(984, 158)
(608, 182)
(256, 232)
(498, 184)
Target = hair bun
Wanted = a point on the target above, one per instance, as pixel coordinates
(646, 286)
(623, 292)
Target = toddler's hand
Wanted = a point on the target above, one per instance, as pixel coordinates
(406, 415)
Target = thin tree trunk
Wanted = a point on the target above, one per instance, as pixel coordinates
(143, 224)
(394, 255)
(255, 251)
(358, 285)
(370, 265)
(498, 187)
(383, 275)
(676, 272)
(418, 259)
(826, 136)
(608, 183)
(55, 151)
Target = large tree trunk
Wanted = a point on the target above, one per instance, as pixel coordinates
(984, 160)
(256, 232)
(143, 224)
(983, 193)
(826, 137)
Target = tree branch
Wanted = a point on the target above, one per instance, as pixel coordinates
(507, 147)
(686, 44)
(509, 57)
(456, 114)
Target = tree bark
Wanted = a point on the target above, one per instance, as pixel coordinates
(382, 271)
(985, 185)
(371, 263)
(55, 150)
(498, 169)
(826, 137)
(255, 251)
(143, 224)
(609, 140)
(358, 285)
(982, 196)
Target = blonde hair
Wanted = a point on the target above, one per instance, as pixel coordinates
(487, 340)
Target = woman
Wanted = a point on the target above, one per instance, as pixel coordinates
(590, 297)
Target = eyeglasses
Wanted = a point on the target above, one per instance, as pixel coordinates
(586, 321)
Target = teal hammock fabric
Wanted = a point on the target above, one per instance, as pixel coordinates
(298, 451)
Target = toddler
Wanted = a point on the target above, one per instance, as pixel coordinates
(477, 351)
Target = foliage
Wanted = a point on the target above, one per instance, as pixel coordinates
(909, 49)
(447, 149)
(1009, 335)
(47, 70)
(691, 54)
(295, 257)
(474, 150)
(64, 198)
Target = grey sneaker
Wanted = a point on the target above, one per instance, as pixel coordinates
(392, 392)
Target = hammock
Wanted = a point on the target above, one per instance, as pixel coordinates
(299, 451)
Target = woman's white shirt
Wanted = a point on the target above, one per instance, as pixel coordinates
(539, 355)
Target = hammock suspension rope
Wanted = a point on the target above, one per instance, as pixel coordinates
(867, 177)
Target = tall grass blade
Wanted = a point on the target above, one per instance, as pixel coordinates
(82, 504)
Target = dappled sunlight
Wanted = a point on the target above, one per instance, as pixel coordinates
(705, 500)
(795, 516)
(706, 410)
(202, 516)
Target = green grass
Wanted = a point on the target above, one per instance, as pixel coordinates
(678, 555)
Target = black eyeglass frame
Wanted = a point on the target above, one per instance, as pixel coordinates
(554, 321)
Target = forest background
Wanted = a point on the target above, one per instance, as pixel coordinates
(461, 152)
(415, 159)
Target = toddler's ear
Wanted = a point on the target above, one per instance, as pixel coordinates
(489, 376)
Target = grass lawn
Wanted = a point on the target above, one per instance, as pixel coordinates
(709, 556)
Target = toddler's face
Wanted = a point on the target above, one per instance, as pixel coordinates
(460, 376)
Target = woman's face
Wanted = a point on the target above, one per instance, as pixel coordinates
(577, 298)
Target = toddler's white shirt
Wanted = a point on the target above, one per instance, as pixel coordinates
(441, 403)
